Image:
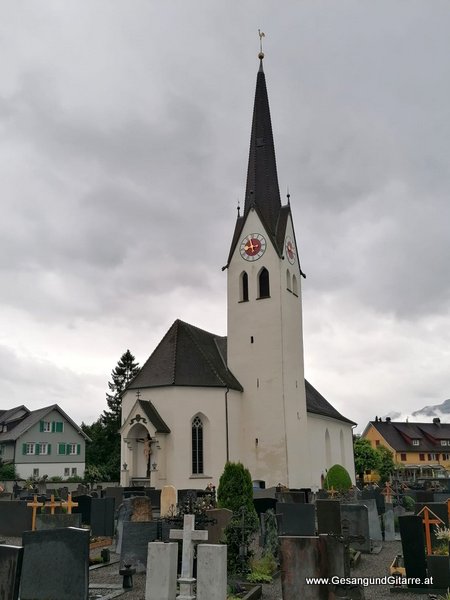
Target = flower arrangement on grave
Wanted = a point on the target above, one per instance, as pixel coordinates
(443, 535)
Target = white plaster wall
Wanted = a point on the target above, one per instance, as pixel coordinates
(25, 470)
(177, 406)
(274, 440)
(317, 427)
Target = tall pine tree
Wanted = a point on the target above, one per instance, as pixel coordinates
(104, 450)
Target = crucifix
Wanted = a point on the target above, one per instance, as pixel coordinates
(425, 513)
(190, 536)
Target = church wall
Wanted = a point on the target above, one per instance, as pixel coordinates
(323, 453)
(177, 406)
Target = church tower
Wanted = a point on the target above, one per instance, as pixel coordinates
(265, 337)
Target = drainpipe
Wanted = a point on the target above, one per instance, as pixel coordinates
(226, 425)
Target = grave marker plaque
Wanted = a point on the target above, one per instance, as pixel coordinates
(328, 516)
(297, 519)
(135, 539)
(413, 545)
(358, 522)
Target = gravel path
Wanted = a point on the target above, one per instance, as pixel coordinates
(371, 565)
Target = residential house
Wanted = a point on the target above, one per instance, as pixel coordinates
(419, 449)
(42, 442)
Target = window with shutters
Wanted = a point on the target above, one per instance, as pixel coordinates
(30, 448)
(72, 448)
(44, 448)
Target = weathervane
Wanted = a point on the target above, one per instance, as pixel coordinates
(261, 35)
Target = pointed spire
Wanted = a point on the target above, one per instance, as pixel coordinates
(262, 189)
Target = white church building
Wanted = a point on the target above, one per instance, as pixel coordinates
(201, 400)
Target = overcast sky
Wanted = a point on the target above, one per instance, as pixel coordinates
(124, 133)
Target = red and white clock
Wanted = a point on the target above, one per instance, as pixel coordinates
(253, 246)
(290, 249)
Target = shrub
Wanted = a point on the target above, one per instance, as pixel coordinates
(408, 503)
(338, 479)
(8, 471)
(235, 492)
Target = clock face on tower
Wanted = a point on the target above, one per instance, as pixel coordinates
(253, 246)
(290, 249)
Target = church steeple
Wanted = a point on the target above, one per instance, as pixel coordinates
(262, 191)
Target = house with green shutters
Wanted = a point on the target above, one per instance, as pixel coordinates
(42, 442)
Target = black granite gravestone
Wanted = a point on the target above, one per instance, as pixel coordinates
(56, 521)
(102, 516)
(413, 545)
(438, 569)
(262, 505)
(116, 493)
(155, 497)
(135, 539)
(357, 516)
(328, 516)
(424, 496)
(55, 565)
(297, 519)
(84, 508)
(10, 569)
(15, 518)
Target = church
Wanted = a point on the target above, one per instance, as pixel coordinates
(201, 399)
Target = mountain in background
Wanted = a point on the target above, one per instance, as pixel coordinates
(424, 414)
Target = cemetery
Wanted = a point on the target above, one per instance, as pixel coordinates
(167, 544)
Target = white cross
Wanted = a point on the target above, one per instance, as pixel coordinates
(189, 535)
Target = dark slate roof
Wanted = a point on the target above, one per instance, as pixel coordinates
(316, 403)
(262, 192)
(399, 435)
(34, 417)
(11, 413)
(187, 356)
(154, 416)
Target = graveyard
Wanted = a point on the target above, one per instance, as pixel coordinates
(165, 544)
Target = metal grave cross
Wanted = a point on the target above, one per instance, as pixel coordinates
(190, 536)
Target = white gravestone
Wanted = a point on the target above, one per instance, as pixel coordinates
(161, 583)
(189, 536)
(168, 501)
(212, 572)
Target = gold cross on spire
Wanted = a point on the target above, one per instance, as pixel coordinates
(261, 35)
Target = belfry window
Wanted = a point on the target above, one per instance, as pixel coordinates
(263, 283)
(294, 285)
(243, 287)
(288, 280)
(197, 446)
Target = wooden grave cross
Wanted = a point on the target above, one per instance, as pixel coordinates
(69, 504)
(426, 512)
(190, 536)
(34, 505)
(52, 504)
(332, 492)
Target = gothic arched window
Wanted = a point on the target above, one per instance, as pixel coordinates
(263, 283)
(294, 285)
(243, 287)
(288, 280)
(197, 446)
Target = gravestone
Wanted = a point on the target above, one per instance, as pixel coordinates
(141, 509)
(413, 545)
(116, 493)
(438, 569)
(303, 557)
(57, 521)
(15, 518)
(262, 505)
(374, 494)
(155, 497)
(55, 565)
(135, 539)
(185, 495)
(389, 527)
(424, 496)
(190, 536)
(328, 516)
(168, 501)
(441, 496)
(438, 508)
(211, 572)
(357, 516)
(291, 496)
(10, 569)
(161, 583)
(374, 519)
(297, 519)
(84, 508)
(222, 517)
(102, 516)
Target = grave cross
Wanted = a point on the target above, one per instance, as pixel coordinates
(189, 536)
(332, 492)
(34, 505)
(52, 504)
(387, 492)
(426, 512)
(345, 539)
(69, 504)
